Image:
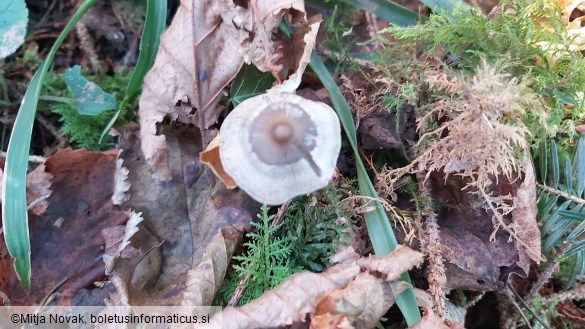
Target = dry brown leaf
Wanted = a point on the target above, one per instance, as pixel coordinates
(121, 184)
(362, 302)
(38, 189)
(524, 218)
(330, 321)
(452, 311)
(205, 279)
(199, 54)
(386, 266)
(432, 321)
(66, 243)
(177, 239)
(308, 35)
(291, 301)
(130, 230)
(210, 157)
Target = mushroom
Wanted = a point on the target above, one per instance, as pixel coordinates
(279, 145)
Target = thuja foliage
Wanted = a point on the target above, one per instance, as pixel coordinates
(266, 262)
(312, 230)
(532, 38)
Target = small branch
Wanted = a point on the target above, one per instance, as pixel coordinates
(31, 158)
(437, 278)
(561, 193)
(542, 280)
(86, 44)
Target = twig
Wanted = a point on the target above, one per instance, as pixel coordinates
(561, 193)
(551, 268)
(87, 45)
(576, 293)
(474, 300)
(513, 295)
(31, 158)
(437, 278)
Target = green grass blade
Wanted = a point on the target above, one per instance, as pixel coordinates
(386, 10)
(448, 6)
(379, 228)
(14, 207)
(154, 25)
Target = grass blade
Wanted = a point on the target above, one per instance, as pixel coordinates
(379, 228)
(14, 208)
(154, 24)
(447, 6)
(386, 10)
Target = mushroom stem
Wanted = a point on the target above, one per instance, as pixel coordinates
(307, 155)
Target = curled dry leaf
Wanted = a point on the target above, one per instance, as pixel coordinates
(38, 189)
(130, 230)
(210, 157)
(361, 303)
(307, 33)
(291, 301)
(200, 53)
(524, 218)
(452, 311)
(121, 184)
(432, 321)
(205, 279)
(388, 270)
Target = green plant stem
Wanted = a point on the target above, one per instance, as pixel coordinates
(14, 206)
(57, 99)
(154, 24)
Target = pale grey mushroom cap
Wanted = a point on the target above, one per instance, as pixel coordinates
(272, 172)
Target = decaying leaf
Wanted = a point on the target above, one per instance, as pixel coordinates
(178, 238)
(205, 279)
(452, 312)
(524, 218)
(291, 301)
(38, 189)
(66, 243)
(307, 33)
(200, 53)
(361, 303)
(130, 230)
(210, 157)
(431, 321)
(121, 184)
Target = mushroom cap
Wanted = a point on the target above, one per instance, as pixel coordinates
(279, 145)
